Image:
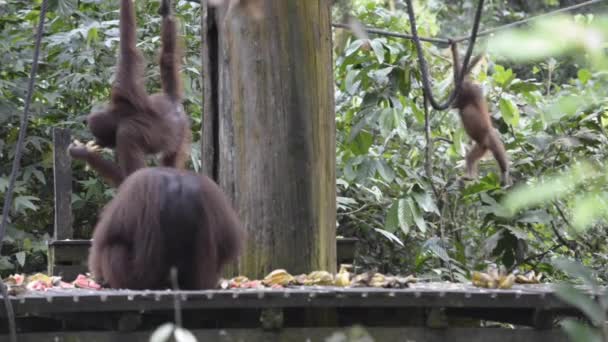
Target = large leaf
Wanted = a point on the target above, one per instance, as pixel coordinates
(509, 111)
(579, 332)
(25, 202)
(353, 47)
(405, 216)
(361, 143)
(425, 202)
(351, 82)
(20, 256)
(378, 50)
(587, 209)
(389, 236)
(583, 302)
(391, 223)
(575, 269)
(416, 215)
(554, 187)
(385, 170)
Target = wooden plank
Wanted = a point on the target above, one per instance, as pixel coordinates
(62, 173)
(425, 296)
(314, 335)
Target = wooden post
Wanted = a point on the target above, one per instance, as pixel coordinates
(275, 150)
(66, 257)
(209, 80)
(62, 174)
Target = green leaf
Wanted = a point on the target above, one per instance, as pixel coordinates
(20, 258)
(518, 233)
(509, 111)
(385, 171)
(416, 216)
(391, 223)
(425, 202)
(583, 302)
(434, 246)
(39, 176)
(5, 264)
(522, 87)
(579, 332)
(351, 83)
(361, 144)
(503, 76)
(575, 269)
(401, 125)
(404, 216)
(378, 50)
(66, 7)
(535, 216)
(353, 47)
(555, 186)
(584, 75)
(387, 122)
(389, 236)
(92, 35)
(25, 202)
(587, 209)
(27, 244)
(380, 76)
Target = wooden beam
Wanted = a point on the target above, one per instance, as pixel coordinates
(62, 174)
(317, 334)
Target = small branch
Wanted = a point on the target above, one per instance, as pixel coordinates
(559, 236)
(428, 162)
(393, 34)
(353, 211)
(446, 140)
(561, 213)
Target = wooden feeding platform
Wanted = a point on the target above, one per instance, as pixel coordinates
(422, 312)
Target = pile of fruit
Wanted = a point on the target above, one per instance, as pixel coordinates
(499, 279)
(19, 283)
(281, 278)
(491, 279)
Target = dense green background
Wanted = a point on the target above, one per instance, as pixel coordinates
(386, 196)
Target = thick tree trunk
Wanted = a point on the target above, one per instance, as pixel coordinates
(276, 133)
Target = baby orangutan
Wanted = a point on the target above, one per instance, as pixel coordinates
(476, 120)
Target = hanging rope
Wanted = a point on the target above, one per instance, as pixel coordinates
(422, 61)
(8, 196)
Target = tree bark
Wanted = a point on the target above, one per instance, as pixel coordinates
(276, 133)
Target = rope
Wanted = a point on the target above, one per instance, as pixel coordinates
(422, 61)
(8, 196)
